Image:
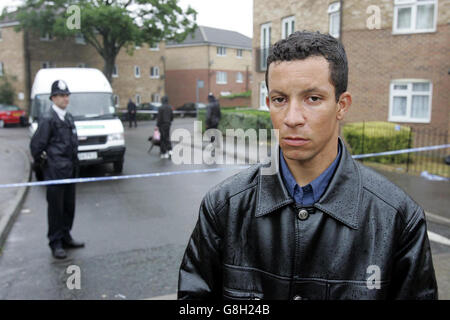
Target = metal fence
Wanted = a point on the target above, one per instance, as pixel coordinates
(390, 139)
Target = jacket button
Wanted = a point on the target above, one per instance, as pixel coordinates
(297, 297)
(303, 214)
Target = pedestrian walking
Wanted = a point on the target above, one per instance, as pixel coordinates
(163, 122)
(55, 146)
(132, 113)
(322, 226)
(213, 116)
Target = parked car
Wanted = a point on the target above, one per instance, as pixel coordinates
(190, 108)
(10, 114)
(150, 106)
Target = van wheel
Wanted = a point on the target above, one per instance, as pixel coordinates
(118, 166)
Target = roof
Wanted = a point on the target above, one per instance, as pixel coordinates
(208, 35)
(77, 79)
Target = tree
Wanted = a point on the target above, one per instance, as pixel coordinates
(109, 25)
(7, 92)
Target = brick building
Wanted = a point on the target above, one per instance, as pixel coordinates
(219, 60)
(139, 76)
(398, 52)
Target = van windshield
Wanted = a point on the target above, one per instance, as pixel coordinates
(83, 106)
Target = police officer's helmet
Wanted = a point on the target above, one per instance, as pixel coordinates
(59, 87)
(211, 97)
(165, 100)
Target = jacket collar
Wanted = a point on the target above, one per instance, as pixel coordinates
(341, 199)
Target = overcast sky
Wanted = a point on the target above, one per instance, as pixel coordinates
(236, 15)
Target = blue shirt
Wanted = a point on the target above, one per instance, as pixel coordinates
(311, 193)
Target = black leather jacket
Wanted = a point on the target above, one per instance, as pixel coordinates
(367, 239)
(60, 141)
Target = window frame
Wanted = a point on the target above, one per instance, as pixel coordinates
(265, 43)
(240, 53)
(115, 71)
(153, 76)
(219, 80)
(413, 4)
(79, 39)
(241, 78)
(289, 20)
(2, 69)
(137, 98)
(223, 52)
(409, 93)
(154, 48)
(137, 71)
(334, 10)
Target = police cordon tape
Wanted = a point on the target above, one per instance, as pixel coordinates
(172, 173)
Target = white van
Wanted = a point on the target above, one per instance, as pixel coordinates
(100, 131)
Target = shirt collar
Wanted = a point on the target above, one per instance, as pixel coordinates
(341, 200)
(60, 112)
(318, 185)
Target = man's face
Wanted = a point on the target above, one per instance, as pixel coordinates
(61, 100)
(303, 108)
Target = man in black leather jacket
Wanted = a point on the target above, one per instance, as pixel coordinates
(323, 226)
(56, 143)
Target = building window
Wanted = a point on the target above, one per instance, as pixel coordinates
(79, 39)
(48, 64)
(1, 69)
(155, 47)
(46, 37)
(263, 96)
(116, 101)
(115, 72)
(221, 51)
(154, 72)
(287, 27)
(413, 16)
(221, 77)
(137, 47)
(266, 31)
(239, 53)
(137, 71)
(334, 19)
(410, 101)
(239, 77)
(156, 97)
(81, 65)
(138, 99)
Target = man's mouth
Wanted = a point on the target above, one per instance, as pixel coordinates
(295, 141)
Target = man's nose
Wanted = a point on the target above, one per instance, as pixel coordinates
(295, 115)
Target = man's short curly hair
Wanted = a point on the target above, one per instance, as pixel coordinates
(303, 44)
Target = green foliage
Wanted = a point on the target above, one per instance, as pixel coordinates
(7, 92)
(238, 118)
(109, 25)
(373, 137)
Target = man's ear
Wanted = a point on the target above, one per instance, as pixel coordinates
(344, 103)
(267, 102)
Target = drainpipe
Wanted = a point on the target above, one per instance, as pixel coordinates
(341, 18)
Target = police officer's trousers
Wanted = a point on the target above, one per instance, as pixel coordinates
(61, 211)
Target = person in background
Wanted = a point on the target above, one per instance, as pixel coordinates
(163, 122)
(132, 113)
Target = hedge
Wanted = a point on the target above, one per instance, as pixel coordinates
(239, 118)
(375, 136)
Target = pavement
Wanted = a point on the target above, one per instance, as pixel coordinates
(433, 196)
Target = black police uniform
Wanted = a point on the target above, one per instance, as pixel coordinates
(58, 140)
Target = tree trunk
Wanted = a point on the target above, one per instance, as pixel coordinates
(108, 68)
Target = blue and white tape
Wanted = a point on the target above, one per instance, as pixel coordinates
(173, 173)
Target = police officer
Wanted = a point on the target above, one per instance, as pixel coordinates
(55, 145)
(163, 122)
(213, 116)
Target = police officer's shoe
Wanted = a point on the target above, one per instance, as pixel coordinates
(72, 244)
(58, 252)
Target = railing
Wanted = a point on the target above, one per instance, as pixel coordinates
(432, 161)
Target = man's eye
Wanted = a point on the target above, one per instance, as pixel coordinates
(314, 99)
(278, 100)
